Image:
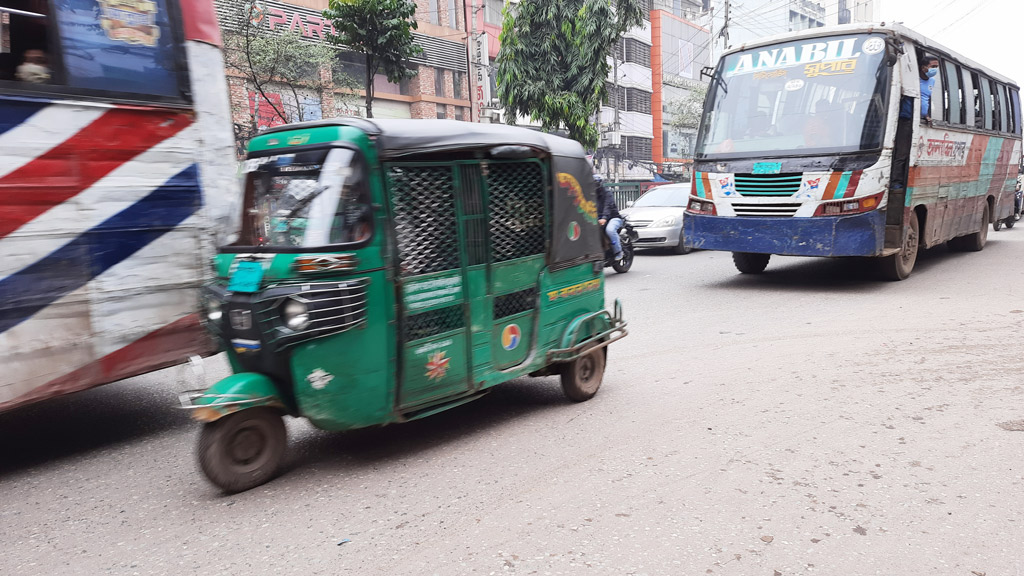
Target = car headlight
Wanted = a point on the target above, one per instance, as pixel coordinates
(213, 310)
(668, 221)
(295, 315)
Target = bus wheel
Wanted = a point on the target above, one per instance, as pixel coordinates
(750, 263)
(242, 450)
(899, 265)
(582, 377)
(976, 242)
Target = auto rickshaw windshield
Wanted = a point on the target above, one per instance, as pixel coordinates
(306, 200)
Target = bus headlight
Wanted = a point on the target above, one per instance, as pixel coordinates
(295, 315)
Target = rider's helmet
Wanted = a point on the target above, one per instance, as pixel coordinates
(597, 178)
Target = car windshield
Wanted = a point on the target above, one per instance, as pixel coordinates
(665, 196)
(816, 96)
(306, 200)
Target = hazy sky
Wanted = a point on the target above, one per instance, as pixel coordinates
(990, 32)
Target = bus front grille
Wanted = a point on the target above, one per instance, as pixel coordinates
(768, 184)
(774, 210)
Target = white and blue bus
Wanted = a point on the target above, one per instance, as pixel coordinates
(802, 151)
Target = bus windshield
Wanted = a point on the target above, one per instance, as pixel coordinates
(809, 97)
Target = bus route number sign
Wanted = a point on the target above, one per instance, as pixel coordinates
(767, 167)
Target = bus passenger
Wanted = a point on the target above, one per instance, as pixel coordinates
(34, 68)
(928, 68)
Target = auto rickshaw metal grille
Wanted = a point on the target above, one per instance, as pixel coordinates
(516, 193)
(333, 307)
(424, 206)
(514, 303)
(474, 217)
(433, 322)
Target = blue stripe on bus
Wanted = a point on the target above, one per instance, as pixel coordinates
(699, 180)
(844, 182)
(14, 112)
(78, 262)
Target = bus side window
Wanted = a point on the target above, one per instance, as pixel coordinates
(24, 51)
(1015, 106)
(1004, 110)
(982, 103)
(953, 93)
(993, 97)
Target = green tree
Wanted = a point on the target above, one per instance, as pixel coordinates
(275, 62)
(687, 111)
(381, 30)
(553, 62)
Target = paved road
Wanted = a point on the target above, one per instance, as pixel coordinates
(808, 420)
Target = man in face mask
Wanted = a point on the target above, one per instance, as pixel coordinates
(928, 66)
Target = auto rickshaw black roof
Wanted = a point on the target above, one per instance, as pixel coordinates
(401, 137)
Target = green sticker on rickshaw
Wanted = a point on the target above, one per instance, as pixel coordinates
(246, 278)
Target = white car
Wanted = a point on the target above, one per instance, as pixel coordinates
(657, 217)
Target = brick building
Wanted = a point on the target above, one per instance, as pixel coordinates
(440, 88)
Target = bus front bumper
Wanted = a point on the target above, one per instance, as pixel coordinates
(856, 235)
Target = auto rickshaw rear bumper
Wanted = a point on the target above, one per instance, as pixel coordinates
(576, 342)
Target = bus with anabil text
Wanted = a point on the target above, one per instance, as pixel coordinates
(861, 140)
(117, 173)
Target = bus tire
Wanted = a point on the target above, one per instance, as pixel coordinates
(749, 262)
(581, 378)
(899, 265)
(242, 450)
(976, 242)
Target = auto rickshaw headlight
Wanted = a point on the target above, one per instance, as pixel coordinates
(295, 315)
(213, 311)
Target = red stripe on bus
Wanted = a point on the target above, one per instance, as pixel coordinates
(851, 185)
(164, 347)
(80, 161)
(706, 181)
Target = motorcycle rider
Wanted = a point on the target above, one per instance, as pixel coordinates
(608, 215)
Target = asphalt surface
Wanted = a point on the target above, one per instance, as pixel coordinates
(810, 420)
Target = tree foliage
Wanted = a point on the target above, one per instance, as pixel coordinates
(381, 30)
(687, 111)
(553, 62)
(271, 61)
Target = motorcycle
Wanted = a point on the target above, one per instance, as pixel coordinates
(1018, 208)
(627, 236)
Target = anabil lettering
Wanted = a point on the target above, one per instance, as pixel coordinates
(788, 56)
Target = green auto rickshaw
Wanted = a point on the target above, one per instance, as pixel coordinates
(386, 270)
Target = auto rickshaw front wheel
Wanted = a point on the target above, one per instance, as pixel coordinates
(242, 450)
(582, 377)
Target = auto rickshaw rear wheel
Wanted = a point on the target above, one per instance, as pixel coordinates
(242, 450)
(581, 378)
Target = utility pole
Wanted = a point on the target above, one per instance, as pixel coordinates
(725, 28)
(616, 138)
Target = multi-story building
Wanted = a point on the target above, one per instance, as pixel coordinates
(680, 50)
(440, 88)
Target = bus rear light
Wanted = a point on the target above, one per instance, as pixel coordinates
(700, 206)
(851, 206)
